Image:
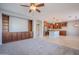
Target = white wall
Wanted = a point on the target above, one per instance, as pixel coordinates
(38, 31)
(34, 29)
(17, 24)
(73, 30)
(0, 28)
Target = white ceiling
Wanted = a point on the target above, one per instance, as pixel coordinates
(61, 11)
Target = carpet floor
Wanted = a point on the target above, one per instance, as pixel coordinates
(35, 47)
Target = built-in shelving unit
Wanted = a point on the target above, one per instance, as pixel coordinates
(5, 23)
(14, 36)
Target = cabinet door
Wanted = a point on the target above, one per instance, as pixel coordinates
(14, 36)
(19, 35)
(6, 37)
(63, 33)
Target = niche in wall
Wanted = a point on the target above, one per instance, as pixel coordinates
(18, 25)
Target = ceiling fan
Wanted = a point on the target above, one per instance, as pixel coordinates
(34, 7)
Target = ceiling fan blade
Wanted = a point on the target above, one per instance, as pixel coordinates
(37, 10)
(30, 11)
(32, 4)
(40, 5)
(25, 6)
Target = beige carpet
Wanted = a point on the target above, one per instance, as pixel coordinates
(35, 47)
(67, 41)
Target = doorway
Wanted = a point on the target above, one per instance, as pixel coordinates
(38, 28)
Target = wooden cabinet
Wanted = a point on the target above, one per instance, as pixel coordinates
(19, 34)
(5, 23)
(64, 24)
(23, 35)
(55, 25)
(14, 36)
(5, 28)
(30, 25)
(62, 33)
(30, 34)
(46, 33)
(7, 37)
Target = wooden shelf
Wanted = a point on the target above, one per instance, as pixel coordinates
(5, 22)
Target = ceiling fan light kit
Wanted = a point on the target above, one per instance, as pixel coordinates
(34, 7)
